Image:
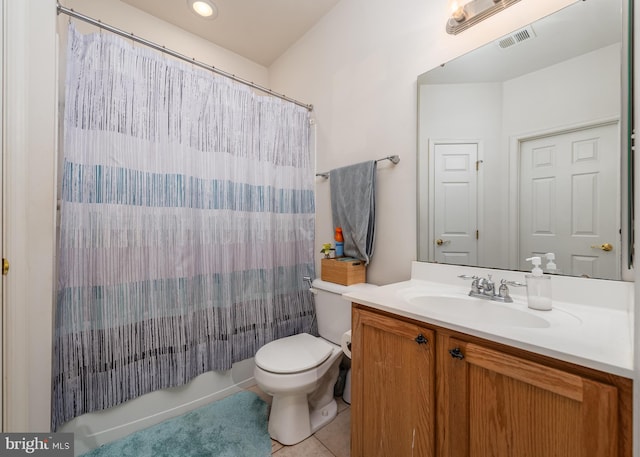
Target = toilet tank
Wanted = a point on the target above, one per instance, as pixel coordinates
(333, 312)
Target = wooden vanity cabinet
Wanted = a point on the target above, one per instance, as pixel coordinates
(490, 399)
(501, 405)
(392, 387)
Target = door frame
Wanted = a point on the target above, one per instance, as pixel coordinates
(30, 85)
(429, 174)
(2, 206)
(515, 146)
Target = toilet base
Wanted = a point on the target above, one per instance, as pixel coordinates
(321, 417)
(296, 414)
(291, 421)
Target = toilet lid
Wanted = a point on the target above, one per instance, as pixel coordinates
(293, 353)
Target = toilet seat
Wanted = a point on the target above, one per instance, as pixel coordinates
(293, 354)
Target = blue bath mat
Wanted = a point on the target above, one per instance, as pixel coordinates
(235, 426)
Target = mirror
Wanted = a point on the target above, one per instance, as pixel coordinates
(522, 148)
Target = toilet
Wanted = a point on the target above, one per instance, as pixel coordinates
(300, 371)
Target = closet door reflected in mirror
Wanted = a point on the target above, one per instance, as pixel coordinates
(578, 170)
(455, 201)
(545, 110)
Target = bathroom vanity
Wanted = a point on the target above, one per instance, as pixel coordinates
(428, 382)
(438, 373)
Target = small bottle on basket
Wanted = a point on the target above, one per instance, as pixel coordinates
(339, 242)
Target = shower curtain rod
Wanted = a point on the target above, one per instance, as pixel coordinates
(394, 160)
(70, 12)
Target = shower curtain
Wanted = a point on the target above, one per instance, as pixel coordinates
(186, 225)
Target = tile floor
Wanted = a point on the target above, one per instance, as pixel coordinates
(333, 440)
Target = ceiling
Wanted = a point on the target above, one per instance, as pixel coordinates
(260, 30)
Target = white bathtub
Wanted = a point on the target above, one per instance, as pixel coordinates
(95, 429)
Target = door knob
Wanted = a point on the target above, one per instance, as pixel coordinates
(440, 241)
(604, 247)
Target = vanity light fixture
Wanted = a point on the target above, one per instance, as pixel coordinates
(464, 16)
(203, 8)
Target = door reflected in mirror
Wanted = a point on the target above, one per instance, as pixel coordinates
(522, 148)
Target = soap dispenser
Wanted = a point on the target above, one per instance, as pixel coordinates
(551, 264)
(538, 287)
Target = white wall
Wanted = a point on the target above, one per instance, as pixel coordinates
(358, 67)
(555, 96)
(132, 20)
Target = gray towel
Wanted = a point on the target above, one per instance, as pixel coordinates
(353, 207)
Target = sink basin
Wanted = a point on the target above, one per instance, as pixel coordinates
(468, 309)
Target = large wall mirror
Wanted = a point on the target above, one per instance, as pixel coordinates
(523, 148)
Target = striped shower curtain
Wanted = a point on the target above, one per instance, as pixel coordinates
(186, 225)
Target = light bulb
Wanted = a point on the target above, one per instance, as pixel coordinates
(457, 12)
(202, 8)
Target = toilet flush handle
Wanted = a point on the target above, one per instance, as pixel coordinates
(307, 279)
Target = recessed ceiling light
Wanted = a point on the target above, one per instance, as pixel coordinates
(203, 8)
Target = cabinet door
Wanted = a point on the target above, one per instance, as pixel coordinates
(392, 390)
(498, 405)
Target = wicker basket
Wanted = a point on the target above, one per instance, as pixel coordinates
(345, 272)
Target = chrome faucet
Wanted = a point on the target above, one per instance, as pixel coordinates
(485, 288)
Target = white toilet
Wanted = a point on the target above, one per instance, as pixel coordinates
(300, 371)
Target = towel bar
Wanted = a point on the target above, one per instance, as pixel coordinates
(394, 160)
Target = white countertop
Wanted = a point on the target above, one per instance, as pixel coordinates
(598, 337)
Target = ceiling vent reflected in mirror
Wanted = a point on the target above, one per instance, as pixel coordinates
(516, 37)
